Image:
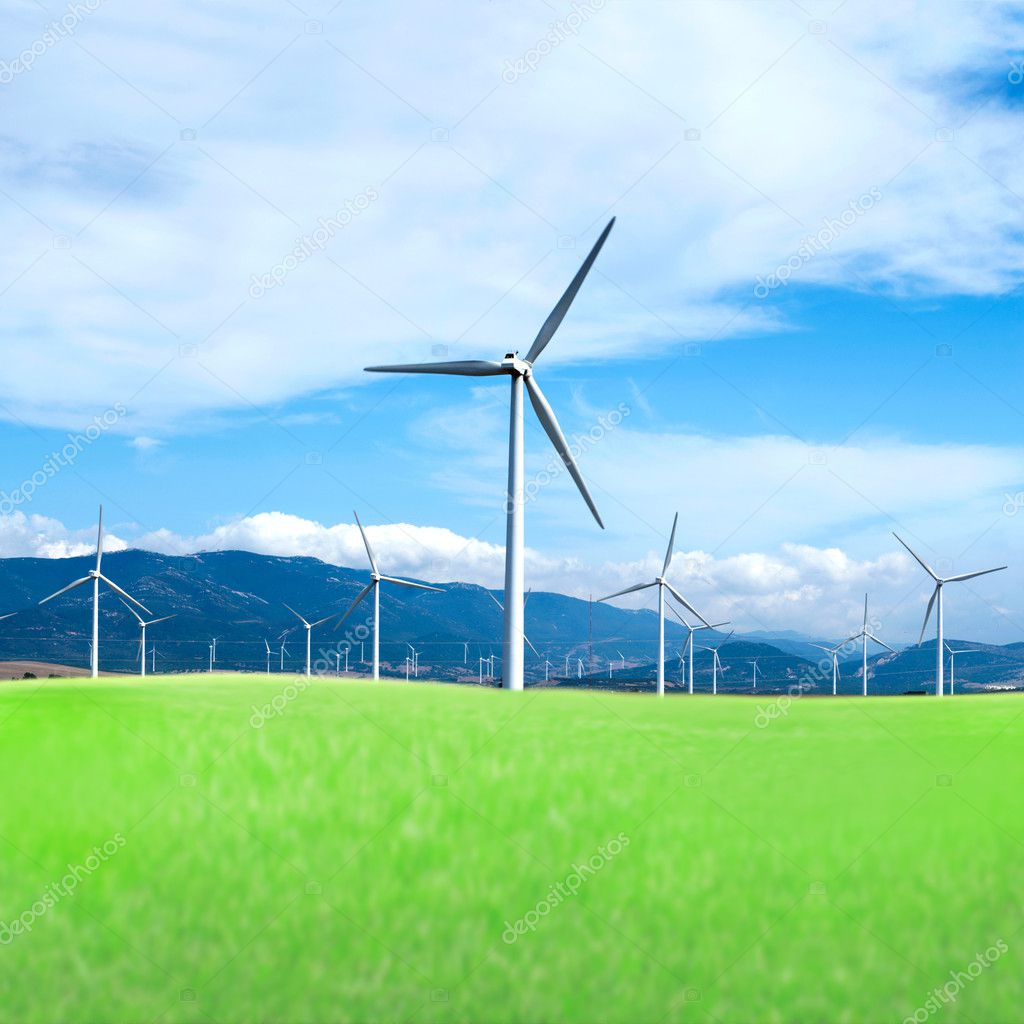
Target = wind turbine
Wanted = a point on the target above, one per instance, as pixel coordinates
(690, 630)
(952, 667)
(284, 648)
(833, 652)
(375, 581)
(309, 633)
(142, 635)
(716, 662)
(754, 662)
(864, 635)
(94, 577)
(937, 594)
(267, 643)
(662, 584)
(520, 372)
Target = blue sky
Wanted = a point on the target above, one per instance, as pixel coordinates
(152, 176)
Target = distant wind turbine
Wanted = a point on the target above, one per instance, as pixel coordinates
(310, 626)
(690, 630)
(754, 663)
(142, 635)
(716, 662)
(936, 597)
(267, 643)
(375, 581)
(833, 653)
(94, 577)
(864, 635)
(662, 584)
(952, 667)
(521, 373)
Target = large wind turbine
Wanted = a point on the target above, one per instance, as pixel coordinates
(952, 664)
(520, 372)
(690, 630)
(864, 635)
(309, 632)
(716, 661)
(142, 634)
(937, 598)
(375, 581)
(94, 577)
(662, 584)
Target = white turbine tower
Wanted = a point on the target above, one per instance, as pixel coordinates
(142, 635)
(952, 665)
(269, 655)
(375, 581)
(690, 630)
(833, 652)
(864, 635)
(662, 584)
(716, 661)
(94, 577)
(754, 663)
(310, 626)
(520, 372)
(936, 597)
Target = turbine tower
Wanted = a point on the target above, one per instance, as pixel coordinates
(375, 581)
(521, 373)
(936, 598)
(864, 635)
(662, 584)
(95, 575)
(309, 632)
(952, 666)
(142, 635)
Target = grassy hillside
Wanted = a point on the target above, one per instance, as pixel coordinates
(361, 855)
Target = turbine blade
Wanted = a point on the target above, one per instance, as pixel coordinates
(849, 639)
(865, 611)
(99, 541)
(726, 640)
(920, 561)
(456, 368)
(326, 618)
(124, 593)
(554, 432)
(64, 590)
(557, 315)
(527, 598)
(672, 609)
(295, 613)
(971, 575)
(948, 648)
(366, 542)
(686, 604)
(164, 619)
(668, 550)
(628, 590)
(7, 616)
(496, 601)
(928, 614)
(267, 645)
(133, 611)
(409, 583)
(820, 648)
(352, 607)
(528, 644)
(881, 643)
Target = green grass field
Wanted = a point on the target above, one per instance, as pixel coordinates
(359, 856)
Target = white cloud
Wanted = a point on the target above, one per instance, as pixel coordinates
(166, 231)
